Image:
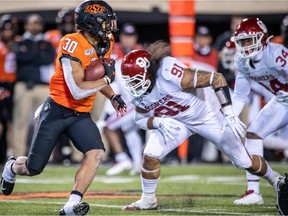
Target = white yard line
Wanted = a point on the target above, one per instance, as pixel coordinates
(195, 179)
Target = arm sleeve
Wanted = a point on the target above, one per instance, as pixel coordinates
(241, 93)
(76, 92)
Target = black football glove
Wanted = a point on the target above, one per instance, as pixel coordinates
(118, 104)
(109, 70)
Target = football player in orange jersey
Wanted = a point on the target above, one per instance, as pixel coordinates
(64, 20)
(67, 109)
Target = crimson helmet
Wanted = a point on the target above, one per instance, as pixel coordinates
(228, 54)
(252, 29)
(96, 18)
(134, 69)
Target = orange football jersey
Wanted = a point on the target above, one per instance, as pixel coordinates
(76, 46)
(7, 64)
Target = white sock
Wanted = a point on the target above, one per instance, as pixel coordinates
(74, 198)
(68, 207)
(7, 174)
(270, 175)
(254, 147)
(121, 157)
(149, 188)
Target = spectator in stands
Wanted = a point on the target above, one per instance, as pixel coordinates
(205, 56)
(225, 36)
(7, 79)
(65, 25)
(283, 37)
(128, 40)
(34, 57)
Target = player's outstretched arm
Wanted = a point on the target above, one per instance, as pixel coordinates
(194, 78)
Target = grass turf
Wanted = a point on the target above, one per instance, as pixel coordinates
(201, 189)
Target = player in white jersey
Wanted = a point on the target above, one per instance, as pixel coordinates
(266, 63)
(110, 122)
(186, 101)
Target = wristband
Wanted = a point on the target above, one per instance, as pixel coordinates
(107, 80)
(223, 95)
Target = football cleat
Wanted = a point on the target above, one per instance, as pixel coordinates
(79, 208)
(282, 195)
(119, 168)
(8, 184)
(250, 198)
(140, 205)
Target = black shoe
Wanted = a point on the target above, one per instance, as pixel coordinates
(80, 208)
(7, 187)
(282, 195)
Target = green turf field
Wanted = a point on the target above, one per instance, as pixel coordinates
(182, 190)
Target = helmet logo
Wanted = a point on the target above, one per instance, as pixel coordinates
(94, 8)
(143, 62)
(262, 26)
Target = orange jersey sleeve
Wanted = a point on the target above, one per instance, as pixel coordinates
(7, 64)
(78, 48)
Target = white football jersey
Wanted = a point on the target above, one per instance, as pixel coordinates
(269, 68)
(168, 98)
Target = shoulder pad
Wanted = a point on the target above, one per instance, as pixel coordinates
(170, 65)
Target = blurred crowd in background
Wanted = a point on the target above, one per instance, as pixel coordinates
(27, 55)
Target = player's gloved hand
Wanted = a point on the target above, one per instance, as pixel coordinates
(236, 125)
(109, 70)
(118, 104)
(282, 97)
(168, 127)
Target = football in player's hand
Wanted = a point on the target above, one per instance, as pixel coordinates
(95, 70)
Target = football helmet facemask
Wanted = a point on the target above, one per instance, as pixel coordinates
(96, 18)
(228, 54)
(250, 37)
(135, 75)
